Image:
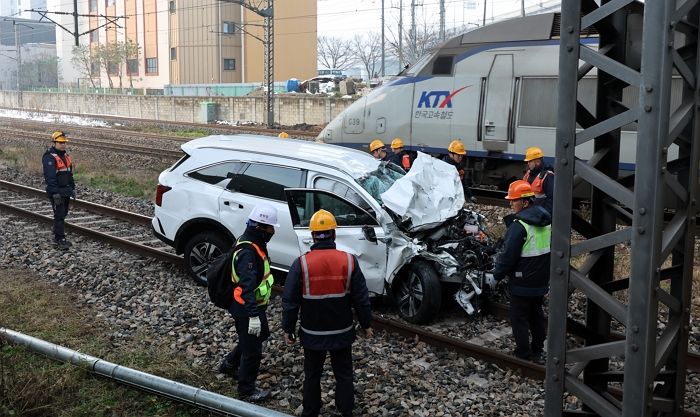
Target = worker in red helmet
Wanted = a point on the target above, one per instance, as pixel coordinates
(525, 261)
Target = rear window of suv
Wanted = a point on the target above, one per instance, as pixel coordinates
(268, 181)
(216, 173)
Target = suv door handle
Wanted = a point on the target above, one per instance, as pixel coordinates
(228, 203)
(308, 241)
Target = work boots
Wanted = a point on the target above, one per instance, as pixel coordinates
(259, 395)
(63, 244)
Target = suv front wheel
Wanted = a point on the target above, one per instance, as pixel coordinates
(418, 295)
(200, 250)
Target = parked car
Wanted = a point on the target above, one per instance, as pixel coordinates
(405, 248)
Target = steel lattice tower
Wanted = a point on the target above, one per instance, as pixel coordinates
(642, 48)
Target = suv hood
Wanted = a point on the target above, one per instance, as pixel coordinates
(428, 195)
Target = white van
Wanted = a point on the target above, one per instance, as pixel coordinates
(405, 246)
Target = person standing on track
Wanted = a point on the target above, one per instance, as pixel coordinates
(540, 177)
(525, 260)
(60, 186)
(456, 157)
(326, 285)
(253, 281)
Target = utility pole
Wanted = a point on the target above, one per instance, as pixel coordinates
(383, 52)
(19, 62)
(75, 22)
(483, 22)
(268, 54)
(109, 20)
(442, 20)
(645, 47)
(400, 35)
(413, 30)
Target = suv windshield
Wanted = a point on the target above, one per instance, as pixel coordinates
(380, 180)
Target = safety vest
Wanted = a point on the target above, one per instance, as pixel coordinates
(326, 276)
(406, 162)
(538, 182)
(537, 240)
(61, 166)
(264, 290)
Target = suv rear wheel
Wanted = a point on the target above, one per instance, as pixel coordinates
(418, 295)
(200, 250)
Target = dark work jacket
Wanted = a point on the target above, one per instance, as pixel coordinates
(547, 187)
(397, 158)
(461, 169)
(249, 268)
(293, 302)
(534, 270)
(57, 183)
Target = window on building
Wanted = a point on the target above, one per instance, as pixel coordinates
(151, 65)
(93, 5)
(95, 69)
(229, 28)
(173, 53)
(94, 37)
(171, 6)
(132, 66)
(110, 3)
(229, 64)
(113, 68)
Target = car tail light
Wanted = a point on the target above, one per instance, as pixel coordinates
(160, 190)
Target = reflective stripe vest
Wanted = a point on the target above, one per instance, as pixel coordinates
(538, 182)
(264, 290)
(326, 276)
(61, 166)
(537, 240)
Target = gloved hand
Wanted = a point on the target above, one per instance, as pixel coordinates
(72, 194)
(254, 326)
(57, 199)
(490, 281)
(472, 199)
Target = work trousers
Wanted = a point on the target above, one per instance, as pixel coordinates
(527, 316)
(341, 362)
(247, 354)
(59, 218)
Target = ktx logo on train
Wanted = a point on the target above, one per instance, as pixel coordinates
(438, 98)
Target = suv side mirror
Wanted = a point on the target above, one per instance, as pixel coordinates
(368, 232)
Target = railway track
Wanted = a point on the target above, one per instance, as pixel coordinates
(188, 125)
(132, 232)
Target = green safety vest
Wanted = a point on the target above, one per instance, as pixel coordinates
(264, 290)
(537, 240)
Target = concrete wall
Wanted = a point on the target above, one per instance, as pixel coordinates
(289, 111)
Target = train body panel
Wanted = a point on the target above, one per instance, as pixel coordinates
(495, 88)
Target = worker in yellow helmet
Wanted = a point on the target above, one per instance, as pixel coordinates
(378, 150)
(456, 157)
(401, 157)
(540, 177)
(283, 135)
(323, 288)
(60, 186)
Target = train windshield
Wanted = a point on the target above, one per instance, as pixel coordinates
(380, 180)
(417, 66)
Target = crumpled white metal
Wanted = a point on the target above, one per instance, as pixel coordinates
(430, 193)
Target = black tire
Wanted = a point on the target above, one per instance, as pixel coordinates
(418, 294)
(200, 250)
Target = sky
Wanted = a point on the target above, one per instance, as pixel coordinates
(342, 18)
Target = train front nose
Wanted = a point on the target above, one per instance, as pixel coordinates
(331, 132)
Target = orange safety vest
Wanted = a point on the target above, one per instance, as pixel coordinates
(263, 291)
(406, 162)
(538, 182)
(61, 166)
(326, 273)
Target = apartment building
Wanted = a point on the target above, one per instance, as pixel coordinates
(189, 41)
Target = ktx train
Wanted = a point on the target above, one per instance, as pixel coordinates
(495, 88)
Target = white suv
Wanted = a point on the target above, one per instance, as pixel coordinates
(203, 201)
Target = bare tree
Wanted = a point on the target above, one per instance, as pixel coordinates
(40, 72)
(368, 48)
(335, 52)
(131, 52)
(83, 60)
(427, 38)
(108, 57)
